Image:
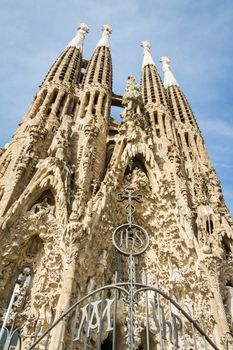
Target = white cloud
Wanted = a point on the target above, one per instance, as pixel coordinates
(217, 127)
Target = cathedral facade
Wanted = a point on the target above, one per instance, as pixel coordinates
(114, 235)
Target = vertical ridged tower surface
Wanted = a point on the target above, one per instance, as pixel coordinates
(59, 180)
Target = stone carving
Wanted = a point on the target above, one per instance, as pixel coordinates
(58, 199)
(132, 97)
(60, 142)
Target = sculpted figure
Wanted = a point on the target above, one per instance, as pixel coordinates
(132, 98)
(60, 142)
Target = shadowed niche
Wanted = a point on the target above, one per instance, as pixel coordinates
(136, 163)
(45, 199)
(106, 345)
(110, 149)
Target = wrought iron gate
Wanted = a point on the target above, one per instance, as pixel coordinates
(97, 316)
(130, 315)
(151, 319)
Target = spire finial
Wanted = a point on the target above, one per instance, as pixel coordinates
(147, 58)
(169, 79)
(104, 41)
(77, 41)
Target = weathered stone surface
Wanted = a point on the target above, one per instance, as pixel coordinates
(59, 178)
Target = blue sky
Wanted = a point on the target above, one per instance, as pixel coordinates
(195, 35)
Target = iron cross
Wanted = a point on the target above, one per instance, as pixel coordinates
(128, 195)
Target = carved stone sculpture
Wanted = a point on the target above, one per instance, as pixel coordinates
(59, 180)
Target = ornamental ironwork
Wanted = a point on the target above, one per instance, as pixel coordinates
(129, 314)
(130, 239)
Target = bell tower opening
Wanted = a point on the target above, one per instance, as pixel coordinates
(116, 111)
(116, 106)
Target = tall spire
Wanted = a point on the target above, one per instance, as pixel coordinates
(151, 84)
(104, 41)
(147, 58)
(169, 79)
(77, 41)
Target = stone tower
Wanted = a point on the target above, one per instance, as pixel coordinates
(59, 181)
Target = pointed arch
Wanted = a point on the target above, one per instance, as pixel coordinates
(11, 338)
(47, 178)
(136, 162)
(126, 151)
(46, 196)
(144, 156)
(36, 196)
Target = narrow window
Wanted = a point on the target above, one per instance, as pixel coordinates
(164, 125)
(54, 95)
(207, 226)
(69, 107)
(211, 226)
(179, 140)
(186, 138)
(87, 99)
(103, 105)
(195, 140)
(61, 105)
(10, 339)
(172, 130)
(95, 102)
(74, 107)
(158, 132)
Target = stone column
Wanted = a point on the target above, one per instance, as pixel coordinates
(213, 266)
(58, 333)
